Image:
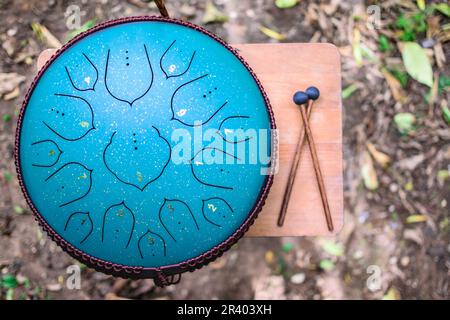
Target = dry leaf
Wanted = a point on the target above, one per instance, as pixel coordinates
(411, 163)
(392, 294)
(54, 287)
(439, 55)
(421, 4)
(269, 288)
(113, 296)
(10, 46)
(368, 173)
(414, 235)
(269, 256)
(381, 158)
(44, 35)
(395, 86)
(212, 14)
(9, 82)
(356, 45)
(433, 92)
(12, 95)
(416, 218)
(272, 33)
(330, 8)
(218, 264)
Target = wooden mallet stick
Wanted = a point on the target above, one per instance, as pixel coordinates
(294, 169)
(162, 8)
(301, 98)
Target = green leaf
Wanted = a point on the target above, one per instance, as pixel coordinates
(9, 281)
(444, 82)
(7, 176)
(419, 22)
(443, 175)
(326, 265)
(383, 44)
(356, 47)
(347, 92)
(333, 248)
(288, 246)
(7, 117)
(444, 224)
(367, 53)
(443, 8)
(409, 186)
(394, 216)
(87, 25)
(403, 23)
(405, 122)
(212, 14)
(27, 283)
(82, 265)
(18, 209)
(10, 294)
(286, 4)
(446, 114)
(408, 36)
(402, 77)
(411, 25)
(417, 63)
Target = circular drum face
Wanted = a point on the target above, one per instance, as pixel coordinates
(144, 145)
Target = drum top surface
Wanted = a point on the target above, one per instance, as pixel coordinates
(126, 146)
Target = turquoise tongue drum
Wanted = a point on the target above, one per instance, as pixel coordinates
(144, 147)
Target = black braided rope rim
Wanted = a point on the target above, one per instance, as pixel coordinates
(162, 275)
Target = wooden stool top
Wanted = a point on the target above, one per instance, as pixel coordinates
(284, 69)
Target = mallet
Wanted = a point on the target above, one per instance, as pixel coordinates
(301, 98)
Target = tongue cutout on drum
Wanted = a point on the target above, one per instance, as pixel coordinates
(178, 220)
(146, 152)
(152, 245)
(80, 225)
(118, 225)
(46, 153)
(82, 73)
(69, 117)
(175, 61)
(198, 101)
(217, 211)
(70, 183)
(128, 74)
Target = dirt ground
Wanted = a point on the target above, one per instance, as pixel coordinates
(395, 243)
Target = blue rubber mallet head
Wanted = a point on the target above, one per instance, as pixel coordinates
(300, 97)
(313, 93)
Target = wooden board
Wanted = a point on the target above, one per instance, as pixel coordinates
(284, 69)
